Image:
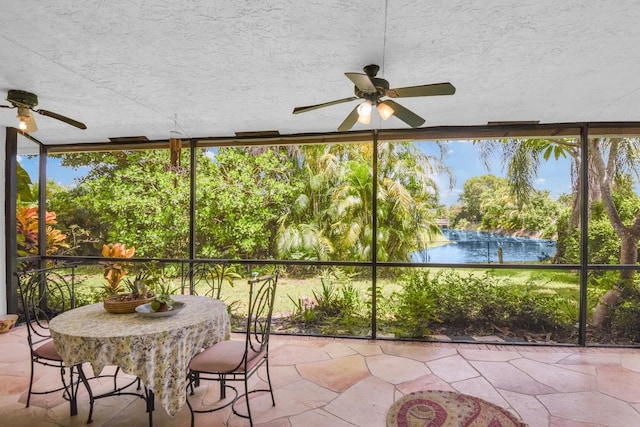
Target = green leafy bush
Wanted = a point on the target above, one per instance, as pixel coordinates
(417, 306)
(478, 303)
(625, 319)
(337, 308)
(604, 244)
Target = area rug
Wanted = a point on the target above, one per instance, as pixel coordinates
(437, 408)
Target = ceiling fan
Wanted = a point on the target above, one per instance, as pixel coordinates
(372, 89)
(25, 103)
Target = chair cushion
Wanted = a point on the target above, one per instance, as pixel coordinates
(48, 351)
(225, 356)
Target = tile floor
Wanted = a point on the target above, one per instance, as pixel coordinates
(344, 382)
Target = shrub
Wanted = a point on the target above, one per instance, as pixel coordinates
(477, 302)
(417, 306)
(337, 308)
(604, 244)
(625, 317)
(625, 320)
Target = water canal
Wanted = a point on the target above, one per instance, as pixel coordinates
(467, 247)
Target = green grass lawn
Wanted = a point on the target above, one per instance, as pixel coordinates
(453, 291)
(89, 282)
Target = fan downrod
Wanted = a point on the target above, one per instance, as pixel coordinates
(371, 70)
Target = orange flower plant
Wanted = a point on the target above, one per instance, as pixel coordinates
(114, 271)
(27, 232)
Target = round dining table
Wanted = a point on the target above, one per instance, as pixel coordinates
(156, 349)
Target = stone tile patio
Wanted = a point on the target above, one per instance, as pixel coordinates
(345, 382)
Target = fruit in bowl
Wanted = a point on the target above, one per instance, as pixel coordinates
(162, 300)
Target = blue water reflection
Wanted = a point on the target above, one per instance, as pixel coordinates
(478, 247)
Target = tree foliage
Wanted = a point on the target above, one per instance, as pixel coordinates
(332, 218)
(487, 203)
(307, 202)
(135, 198)
(610, 162)
(128, 197)
(240, 195)
(475, 192)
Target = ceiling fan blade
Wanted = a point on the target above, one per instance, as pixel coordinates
(423, 90)
(299, 110)
(362, 82)
(62, 118)
(351, 120)
(407, 116)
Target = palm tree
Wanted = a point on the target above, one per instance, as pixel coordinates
(407, 200)
(608, 160)
(612, 157)
(301, 232)
(332, 218)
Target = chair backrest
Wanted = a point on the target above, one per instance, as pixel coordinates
(45, 293)
(262, 292)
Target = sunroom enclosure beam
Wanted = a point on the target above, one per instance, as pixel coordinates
(374, 238)
(10, 206)
(575, 130)
(584, 232)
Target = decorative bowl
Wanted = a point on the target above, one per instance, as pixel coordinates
(124, 306)
(7, 321)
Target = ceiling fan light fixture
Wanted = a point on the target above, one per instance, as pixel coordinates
(364, 112)
(365, 120)
(385, 111)
(27, 122)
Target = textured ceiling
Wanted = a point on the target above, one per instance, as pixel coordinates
(130, 68)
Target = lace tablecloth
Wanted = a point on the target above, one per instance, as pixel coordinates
(155, 349)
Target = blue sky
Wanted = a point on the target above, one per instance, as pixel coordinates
(463, 159)
(60, 174)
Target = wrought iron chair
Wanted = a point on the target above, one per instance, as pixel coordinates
(236, 360)
(44, 294)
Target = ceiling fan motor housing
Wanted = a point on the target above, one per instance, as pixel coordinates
(20, 98)
(381, 85)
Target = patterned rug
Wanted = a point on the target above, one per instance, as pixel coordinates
(437, 408)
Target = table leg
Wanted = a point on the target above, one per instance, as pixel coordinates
(84, 379)
(117, 391)
(73, 395)
(150, 404)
